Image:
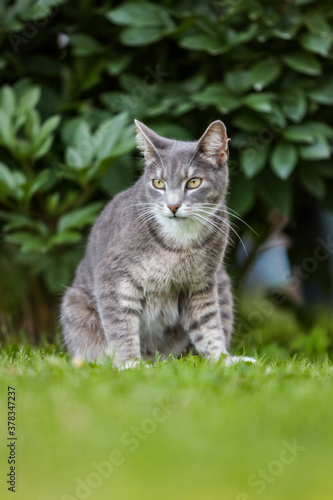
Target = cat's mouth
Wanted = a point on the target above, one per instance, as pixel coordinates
(176, 217)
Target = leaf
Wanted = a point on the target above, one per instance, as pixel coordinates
(265, 72)
(28, 100)
(294, 104)
(253, 160)
(259, 102)
(44, 135)
(85, 45)
(143, 14)
(74, 159)
(6, 177)
(322, 95)
(7, 136)
(32, 125)
(218, 95)
(320, 150)
(204, 42)
(284, 159)
(27, 241)
(43, 149)
(303, 62)
(300, 133)
(317, 24)
(312, 182)
(242, 196)
(136, 37)
(238, 81)
(108, 134)
(8, 100)
(275, 192)
(64, 238)
(318, 44)
(79, 217)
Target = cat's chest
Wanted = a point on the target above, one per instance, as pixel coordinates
(166, 271)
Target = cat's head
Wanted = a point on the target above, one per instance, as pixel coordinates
(184, 182)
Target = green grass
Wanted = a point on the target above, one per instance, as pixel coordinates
(205, 431)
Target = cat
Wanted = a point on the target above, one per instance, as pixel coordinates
(152, 279)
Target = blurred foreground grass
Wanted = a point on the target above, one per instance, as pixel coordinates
(181, 429)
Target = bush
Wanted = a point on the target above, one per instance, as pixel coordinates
(74, 75)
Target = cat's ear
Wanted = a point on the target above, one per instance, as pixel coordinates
(213, 144)
(148, 142)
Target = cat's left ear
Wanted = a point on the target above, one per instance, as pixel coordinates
(213, 144)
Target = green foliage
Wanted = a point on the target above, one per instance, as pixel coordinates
(74, 75)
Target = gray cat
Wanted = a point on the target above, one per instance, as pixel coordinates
(152, 279)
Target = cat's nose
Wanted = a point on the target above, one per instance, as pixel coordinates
(173, 208)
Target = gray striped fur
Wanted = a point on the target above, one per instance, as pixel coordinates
(151, 281)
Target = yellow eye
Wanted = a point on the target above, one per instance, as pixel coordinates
(194, 183)
(159, 184)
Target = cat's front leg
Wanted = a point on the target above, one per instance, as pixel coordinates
(120, 303)
(202, 321)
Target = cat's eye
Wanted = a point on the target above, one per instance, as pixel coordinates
(194, 183)
(159, 184)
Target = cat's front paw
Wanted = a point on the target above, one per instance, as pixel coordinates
(133, 364)
(232, 360)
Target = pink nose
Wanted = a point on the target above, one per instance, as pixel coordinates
(173, 208)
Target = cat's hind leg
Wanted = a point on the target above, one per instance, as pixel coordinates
(82, 331)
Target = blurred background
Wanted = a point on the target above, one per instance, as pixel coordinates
(74, 75)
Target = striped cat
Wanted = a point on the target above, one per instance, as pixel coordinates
(152, 279)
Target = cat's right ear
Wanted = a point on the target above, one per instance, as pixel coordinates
(145, 139)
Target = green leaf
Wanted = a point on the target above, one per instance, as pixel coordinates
(64, 238)
(299, 133)
(43, 149)
(27, 241)
(6, 130)
(218, 95)
(28, 100)
(238, 81)
(8, 100)
(242, 196)
(322, 95)
(259, 102)
(284, 159)
(85, 45)
(143, 14)
(303, 62)
(79, 217)
(253, 160)
(32, 125)
(6, 177)
(318, 44)
(294, 104)
(205, 43)
(320, 150)
(317, 24)
(275, 192)
(312, 182)
(265, 72)
(108, 134)
(137, 37)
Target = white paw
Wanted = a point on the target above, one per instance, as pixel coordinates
(130, 365)
(134, 365)
(232, 360)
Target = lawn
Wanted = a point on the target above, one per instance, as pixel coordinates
(180, 429)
